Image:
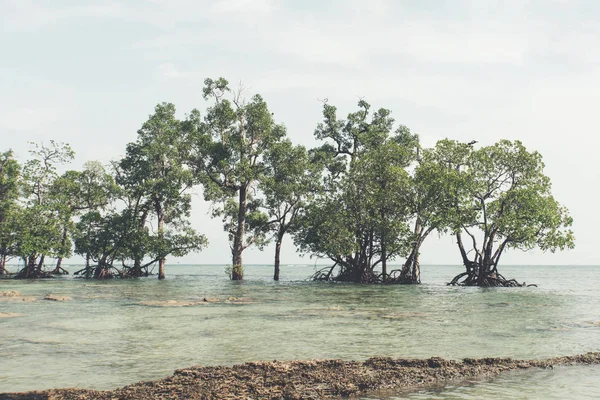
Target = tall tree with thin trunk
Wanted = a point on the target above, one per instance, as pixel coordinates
(359, 220)
(293, 179)
(75, 193)
(39, 231)
(228, 157)
(154, 170)
(433, 192)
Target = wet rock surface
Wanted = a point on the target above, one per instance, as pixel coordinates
(314, 379)
(10, 293)
(169, 303)
(57, 297)
(13, 295)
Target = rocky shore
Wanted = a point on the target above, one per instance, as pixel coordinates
(315, 379)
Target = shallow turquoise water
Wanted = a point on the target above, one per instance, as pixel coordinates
(107, 337)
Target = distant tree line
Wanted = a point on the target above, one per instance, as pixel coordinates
(368, 194)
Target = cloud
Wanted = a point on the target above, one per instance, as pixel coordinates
(170, 71)
(33, 104)
(29, 15)
(466, 69)
(241, 7)
(27, 119)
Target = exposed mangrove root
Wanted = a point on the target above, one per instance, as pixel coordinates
(324, 274)
(339, 273)
(492, 279)
(399, 276)
(24, 274)
(59, 271)
(99, 272)
(314, 379)
(110, 272)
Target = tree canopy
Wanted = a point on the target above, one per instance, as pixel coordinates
(508, 205)
(368, 194)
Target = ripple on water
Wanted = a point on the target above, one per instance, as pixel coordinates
(119, 333)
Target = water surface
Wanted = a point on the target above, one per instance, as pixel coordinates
(114, 333)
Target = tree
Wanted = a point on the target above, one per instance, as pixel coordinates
(39, 231)
(509, 206)
(359, 221)
(154, 173)
(9, 194)
(431, 198)
(229, 145)
(101, 239)
(292, 180)
(75, 193)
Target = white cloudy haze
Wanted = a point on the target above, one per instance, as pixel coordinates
(90, 72)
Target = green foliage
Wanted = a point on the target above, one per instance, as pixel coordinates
(40, 222)
(229, 146)
(156, 183)
(10, 172)
(509, 205)
(360, 218)
(293, 179)
(367, 194)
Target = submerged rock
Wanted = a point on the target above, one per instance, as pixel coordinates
(57, 297)
(211, 300)
(9, 315)
(10, 293)
(169, 303)
(239, 300)
(13, 295)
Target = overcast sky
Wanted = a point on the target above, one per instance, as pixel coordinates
(90, 72)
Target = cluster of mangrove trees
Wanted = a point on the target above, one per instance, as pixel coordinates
(367, 194)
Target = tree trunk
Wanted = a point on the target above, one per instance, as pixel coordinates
(238, 241)
(38, 270)
(383, 261)
(408, 269)
(411, 272)
(28, 270)
(482, 270)
(101, 271)
(3, 263)
(59, 269)
(137, 267)
(161, 268)
(161, 262)
(277, 254)
(416, 267)
(137, 257)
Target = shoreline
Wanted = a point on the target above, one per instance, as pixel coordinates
(312, 379)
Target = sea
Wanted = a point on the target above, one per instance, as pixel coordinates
(117, 332)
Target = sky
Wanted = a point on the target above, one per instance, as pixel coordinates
(89, 73)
